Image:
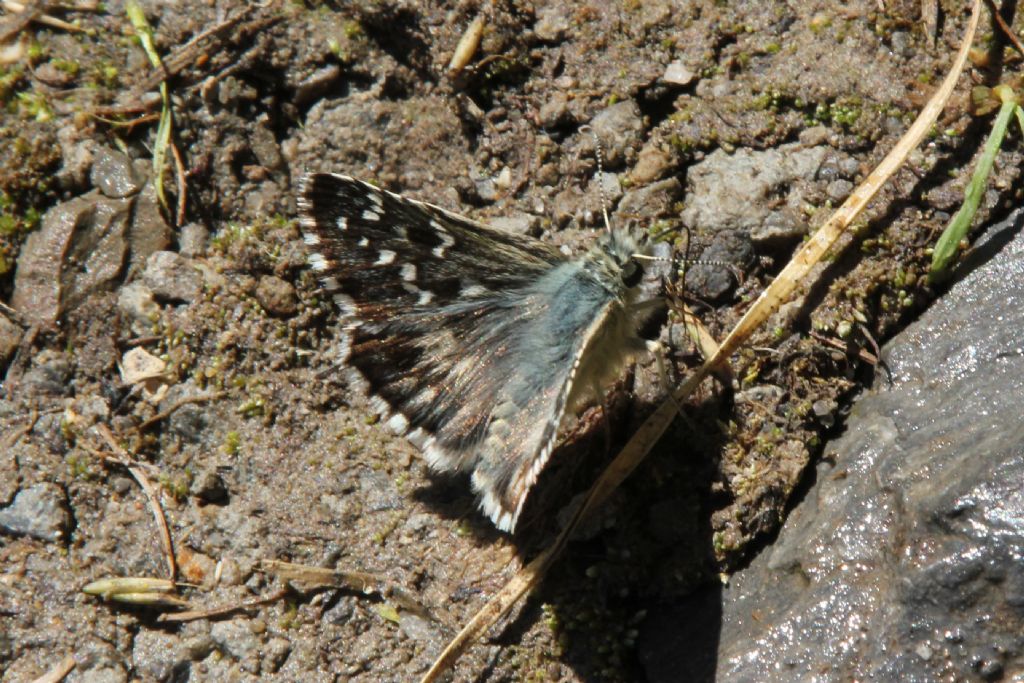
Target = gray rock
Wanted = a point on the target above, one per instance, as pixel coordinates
(265, 147)
(779, 228)
(192, 240)
(903, 561)
(277, 296)
(316, 85)
(50, 374)
(518, 223)
(148, 232)
(209, 487)
(10, 338)
(651, 200)
(79, 249)
(136, 300)
(113, 175)
(40, 511)
(713, 280)
(619, 128)
(554, 112)
(652, 164)
(839, 189)
(157, 655)
(552, 23)
(420, 629)
(102, 674)
(76, 158)
(676, 73)
(236, 638)
(275, 653)
(738, 191)
(172, 277)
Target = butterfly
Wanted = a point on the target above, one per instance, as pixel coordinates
(472, 342)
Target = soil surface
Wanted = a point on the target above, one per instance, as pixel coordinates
(179, 328)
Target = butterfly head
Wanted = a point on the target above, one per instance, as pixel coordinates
(624, 253)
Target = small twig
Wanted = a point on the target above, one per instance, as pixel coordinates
(35, 13)
(164, 414)
(182, 57)
(179, 168)
(1004, 26)
(18, 24)
(192, 615)
(154, 501)
(862, 353)
(305, 578)
(16, 436)
(58, 672)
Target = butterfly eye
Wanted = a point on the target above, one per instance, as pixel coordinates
(632, 273)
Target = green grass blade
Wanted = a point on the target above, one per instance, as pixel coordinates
(163, 131)
(946, 247)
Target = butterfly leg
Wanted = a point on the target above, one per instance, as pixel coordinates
(658, 351)
(605, 415)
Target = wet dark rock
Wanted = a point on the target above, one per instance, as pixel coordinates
(172, 277)
(277, 296)
(79, 249)
(906, 550)
(40, 511)
(715, 279)
(113, 175)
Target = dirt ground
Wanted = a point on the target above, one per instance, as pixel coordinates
(748, 121)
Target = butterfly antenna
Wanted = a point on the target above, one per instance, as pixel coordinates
(599, 155)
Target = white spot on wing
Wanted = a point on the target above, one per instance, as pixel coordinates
(365, 242)
(317, 262)
(386, 258)
(475, 290)
(426, 297)
(409, 272)
(342, 223)
(311, 238)
(398, 423)
(371, 215)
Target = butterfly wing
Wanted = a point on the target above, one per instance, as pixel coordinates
(468, 338)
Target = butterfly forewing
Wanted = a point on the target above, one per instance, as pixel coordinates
(467, 337)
